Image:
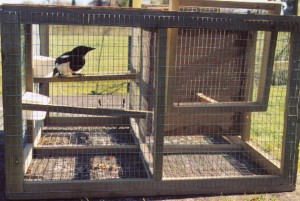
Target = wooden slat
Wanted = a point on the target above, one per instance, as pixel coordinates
(85, 110)
(205, 99)
(233, 4)
(160, 102)
(102, 16)
(129, 76)
(87, 121)
(196, 107)
(290, 142)
(146, 154)
(28, 57)
(258, 156)
(172, 40)
(37, 131)
(192, 149)
(75, 149)
(272, 6)
(29, 73)
(266, 69)
(248, 94)
(27, 154)
(44, 51)
(150, 187)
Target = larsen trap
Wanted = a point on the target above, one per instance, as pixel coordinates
(194, 100)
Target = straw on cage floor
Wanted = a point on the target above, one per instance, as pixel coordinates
(85, 167)
(86, 136)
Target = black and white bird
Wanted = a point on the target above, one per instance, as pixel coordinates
(71, 63)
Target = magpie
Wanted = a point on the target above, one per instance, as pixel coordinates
(71, 62)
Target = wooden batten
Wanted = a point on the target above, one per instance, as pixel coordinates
(43, 88)
(193, 149)
(87, 121)
(29, 73)
(146, 154)
(128, 76)
(245, 117)
(37, 132)
(266, 69)
(73, 149)
(233, 4)
(85, 110)
(150, 187)
(125, 17)
(27, 156)
(172, 38)
(196, 107)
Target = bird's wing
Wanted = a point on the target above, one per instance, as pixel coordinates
(64, 58)
(77, 63)
(64, 68)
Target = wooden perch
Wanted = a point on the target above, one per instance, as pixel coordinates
(85, 110)
(126, 76)
(205, 99)
(196, 107)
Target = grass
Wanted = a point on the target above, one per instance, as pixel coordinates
(267, 127)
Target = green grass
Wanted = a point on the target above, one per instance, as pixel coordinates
(267, 127)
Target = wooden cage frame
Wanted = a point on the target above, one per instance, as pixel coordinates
(17, 158)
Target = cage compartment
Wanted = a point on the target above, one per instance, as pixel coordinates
(210, 165)
(85, 167)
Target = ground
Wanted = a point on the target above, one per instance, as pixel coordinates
(290, 196)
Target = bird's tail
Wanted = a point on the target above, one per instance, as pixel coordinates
(55, 71)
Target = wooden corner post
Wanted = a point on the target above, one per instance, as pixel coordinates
(12, 101)
(291, 130)
(160, 103)
(171, 58)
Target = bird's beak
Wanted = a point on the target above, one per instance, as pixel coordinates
(91, 48)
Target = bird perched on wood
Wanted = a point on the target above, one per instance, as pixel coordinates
(71, 62)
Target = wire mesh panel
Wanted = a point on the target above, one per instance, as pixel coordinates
(109, 59)
(120, 102)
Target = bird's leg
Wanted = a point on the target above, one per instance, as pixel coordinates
(78, 74)
(60, 75)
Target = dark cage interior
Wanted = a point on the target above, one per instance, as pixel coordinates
(165, 102)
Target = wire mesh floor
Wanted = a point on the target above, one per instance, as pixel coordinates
(85, 167)
(209, 165)
(86, 136)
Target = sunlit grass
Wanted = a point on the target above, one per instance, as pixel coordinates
(267, 127)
